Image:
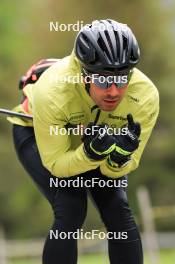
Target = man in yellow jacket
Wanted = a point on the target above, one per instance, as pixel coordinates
(98, 92)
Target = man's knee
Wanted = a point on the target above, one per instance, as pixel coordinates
(70, 208)
(117, 215)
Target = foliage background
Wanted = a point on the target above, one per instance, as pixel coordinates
(25, 38)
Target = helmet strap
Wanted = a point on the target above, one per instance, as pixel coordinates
(87, 87)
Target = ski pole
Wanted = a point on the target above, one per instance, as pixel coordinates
(12, 113)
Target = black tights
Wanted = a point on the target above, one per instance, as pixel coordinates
(70, 205)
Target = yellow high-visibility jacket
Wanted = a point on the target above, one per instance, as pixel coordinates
(56, 100)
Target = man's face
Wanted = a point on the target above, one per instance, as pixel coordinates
(107, 99)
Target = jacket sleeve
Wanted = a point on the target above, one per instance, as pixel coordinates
(147, 118)
(54, 148)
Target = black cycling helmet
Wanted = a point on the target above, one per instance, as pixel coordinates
(106, 46)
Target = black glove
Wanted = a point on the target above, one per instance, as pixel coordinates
(89, 133)
(98, 145)
(125, 144)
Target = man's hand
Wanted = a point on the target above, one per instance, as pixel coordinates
(125, 144)
(98, 145)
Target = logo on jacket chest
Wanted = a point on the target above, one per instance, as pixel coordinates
(77, 117)
(116, 117)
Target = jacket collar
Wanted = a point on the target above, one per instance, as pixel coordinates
(81, 86)
(82, 90)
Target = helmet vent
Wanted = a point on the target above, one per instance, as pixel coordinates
(103, 47)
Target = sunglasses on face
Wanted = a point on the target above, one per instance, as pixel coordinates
(105, 81)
